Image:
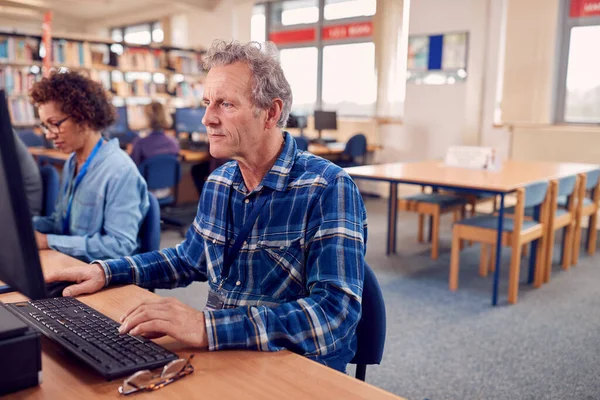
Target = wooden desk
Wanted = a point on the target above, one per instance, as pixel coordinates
(513, 175)
(323, 151)
(218, 375)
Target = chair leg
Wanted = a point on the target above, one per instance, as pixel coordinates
(420, 238)
(567, 247)
(525, 250)
(361, 372)
(463, 213)
(455, 216)
(592, 234)
(576, 242)
(435, 236)
(471, 215)
(492, 262)
(483, 260)
(515, 269)
(548, 257)
(454, 259)
(540, 264)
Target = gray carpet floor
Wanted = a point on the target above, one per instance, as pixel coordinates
(442, 345)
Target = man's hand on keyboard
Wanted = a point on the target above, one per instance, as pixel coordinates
(166, 316)
(89, 279)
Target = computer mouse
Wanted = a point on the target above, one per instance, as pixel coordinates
(55, 289)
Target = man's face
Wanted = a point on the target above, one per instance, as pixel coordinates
(235, 127)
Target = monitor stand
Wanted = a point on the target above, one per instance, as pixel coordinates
(319, 141)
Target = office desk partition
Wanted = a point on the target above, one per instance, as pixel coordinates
(218, 375)
(512, 176)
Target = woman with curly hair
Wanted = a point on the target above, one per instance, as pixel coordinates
(103, 198)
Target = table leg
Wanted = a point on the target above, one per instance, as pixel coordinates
(392, 218)
(498, 251)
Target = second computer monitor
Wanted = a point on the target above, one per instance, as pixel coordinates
(325, 120)
(189, 120)
(121, 125)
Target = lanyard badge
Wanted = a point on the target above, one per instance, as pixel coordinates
(73, 186)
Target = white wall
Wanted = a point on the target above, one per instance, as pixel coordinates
(229, 20)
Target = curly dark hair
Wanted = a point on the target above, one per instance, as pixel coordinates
(81, 98)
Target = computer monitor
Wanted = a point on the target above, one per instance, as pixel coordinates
(20, 266)
(121, 125)
(297, 121)
(325, 120)
(189, 120)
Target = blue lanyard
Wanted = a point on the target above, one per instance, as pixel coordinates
(75, 184)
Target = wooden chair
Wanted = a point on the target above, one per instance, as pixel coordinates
(434, 205)
(586, 207)
(516, 232)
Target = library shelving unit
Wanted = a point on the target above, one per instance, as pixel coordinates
(134, 74)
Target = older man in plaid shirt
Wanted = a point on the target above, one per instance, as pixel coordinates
(279, 235)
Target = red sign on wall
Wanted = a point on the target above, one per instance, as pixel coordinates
(296, 36)
(346, 31)
(584, 8)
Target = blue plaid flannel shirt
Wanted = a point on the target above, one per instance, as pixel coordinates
(297, 281)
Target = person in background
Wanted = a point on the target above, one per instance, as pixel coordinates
(280, 234)
(103, 198)
(156, 142)
(32, 180)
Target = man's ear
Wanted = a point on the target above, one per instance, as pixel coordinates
(274, 113)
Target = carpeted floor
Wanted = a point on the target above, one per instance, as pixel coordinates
(443, 345)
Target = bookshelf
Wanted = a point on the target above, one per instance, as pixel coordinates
(134, 74)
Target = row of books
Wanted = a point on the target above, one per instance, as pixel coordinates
(139, 88)
(16, 49)
(21, 111)
(16, 81)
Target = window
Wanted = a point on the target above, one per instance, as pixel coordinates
(582, 102)
(326, 52)
(578, 88)
(258, 31)
(300, 68)
(349, 82)
(139, 34)
(338, 9)
(294, 12)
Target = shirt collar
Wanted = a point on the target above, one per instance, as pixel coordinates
(278, 176)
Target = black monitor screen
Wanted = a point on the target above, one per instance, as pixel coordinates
(296, 121)
(189, 120)
(325, 120)
(19, 260)
(121, 125)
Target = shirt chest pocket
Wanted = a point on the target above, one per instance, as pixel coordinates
(281, 270)
(87, 211)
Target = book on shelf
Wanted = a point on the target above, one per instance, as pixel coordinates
(16, 80)
(18, 49)
(71, 53)
(21, 111)
(185, 62)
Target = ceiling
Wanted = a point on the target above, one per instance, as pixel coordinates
(97, 11)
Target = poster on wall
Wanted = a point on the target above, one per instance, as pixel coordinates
(418, 53)
(454, 53)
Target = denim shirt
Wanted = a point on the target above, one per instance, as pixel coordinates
(108, 208)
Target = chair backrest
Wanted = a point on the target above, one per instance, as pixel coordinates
(370, 332)
(301, 143)
(50, 188)
(356, 146)
(566, 185)
(150, 229)
(162, 171)
(592, 179)
(31, 139)
(535, 193)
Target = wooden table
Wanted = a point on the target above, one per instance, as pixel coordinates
(512, 176)
(218, 375)
(334, 149)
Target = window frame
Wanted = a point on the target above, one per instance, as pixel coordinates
(151, 26)
(319, 43)
(566, 24)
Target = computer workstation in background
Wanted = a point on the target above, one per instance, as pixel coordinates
(120, 128)
(189, 128)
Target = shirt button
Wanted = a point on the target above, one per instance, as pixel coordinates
(214, 241)
(214, 280)
(238, 283)
(281, 247)
(247, 201)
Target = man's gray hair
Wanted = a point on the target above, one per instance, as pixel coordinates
(269, 80)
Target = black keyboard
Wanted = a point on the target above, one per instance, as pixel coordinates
(92, 337)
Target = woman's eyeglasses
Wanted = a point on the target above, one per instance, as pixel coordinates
(147, 381)
(52, 127)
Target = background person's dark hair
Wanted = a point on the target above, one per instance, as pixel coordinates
(157, 116)
(82, 99)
